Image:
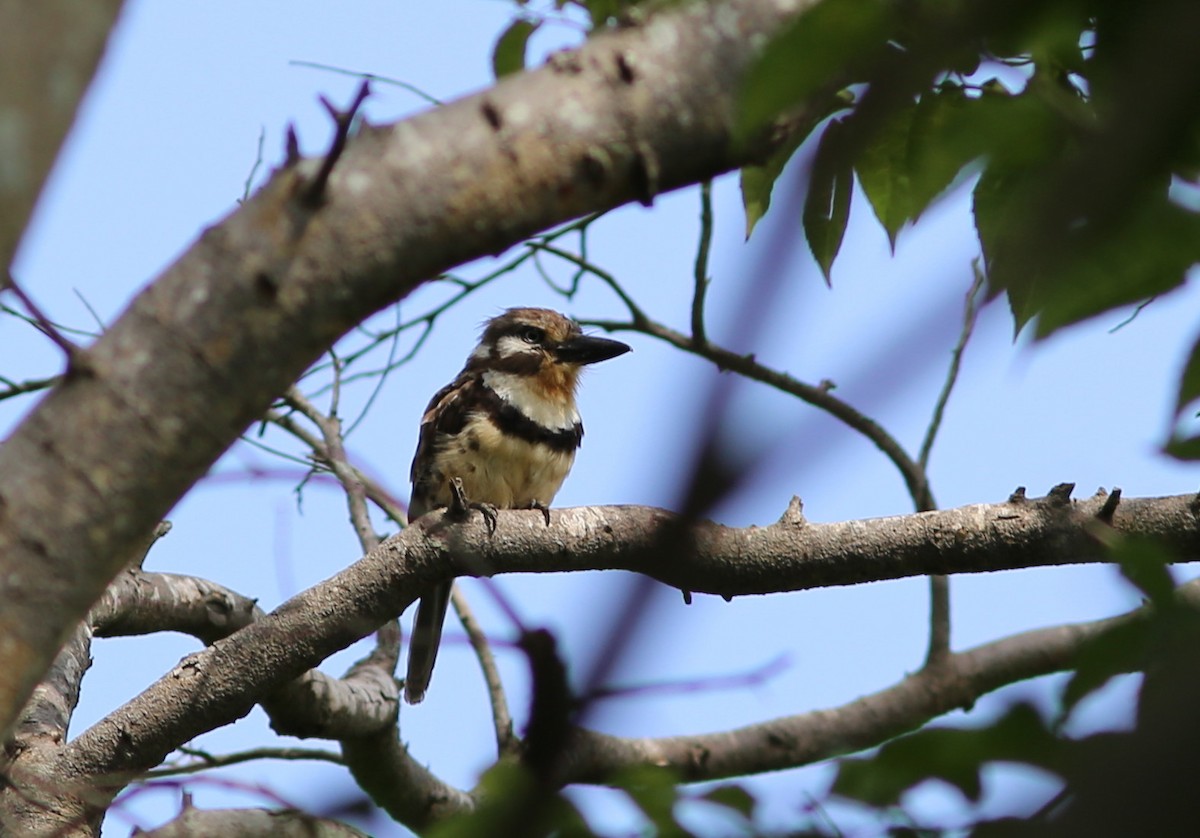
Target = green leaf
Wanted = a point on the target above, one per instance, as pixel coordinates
(732, 797)
(514, 803)
(1118, 650)
(1147, 565)
(883, 170)
(1127, 645)
(827, 204)
(1148, 254)
(655, 791)
(1189, 382)
(508, 56)
(953, 755)
(825, 48)
(759, 181)
(1183, 448)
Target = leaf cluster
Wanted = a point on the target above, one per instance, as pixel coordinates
(1075, 119)
(1160, 644)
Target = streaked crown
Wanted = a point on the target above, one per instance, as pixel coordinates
(533, 341)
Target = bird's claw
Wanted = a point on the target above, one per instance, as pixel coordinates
(540, 507)
(460, 506)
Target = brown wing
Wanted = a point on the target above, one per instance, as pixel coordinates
(446, 414)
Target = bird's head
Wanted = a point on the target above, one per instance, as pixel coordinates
(540, 344)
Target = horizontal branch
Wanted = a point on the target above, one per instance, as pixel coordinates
(220, 684)
(204, 349)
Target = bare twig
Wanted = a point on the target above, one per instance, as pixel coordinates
(33, 385)
(506, 740)
(816, 395)
(258, 159)
(740, 680)
(43, 323)
(333, 455)
(202, 760)
(970, 316)
(939, 586)
(370, 77)
(701, 271)
(314, 191)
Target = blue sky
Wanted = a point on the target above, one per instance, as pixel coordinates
(163, 148)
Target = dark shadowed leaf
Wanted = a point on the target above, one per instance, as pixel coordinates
(954, 756)
(514, 803)
(825, 48)
(508, 56)
(1146, 565)
(655, 792)
(827, 204)
(1119, 650)
(1189, 382)
(759, 181)
(1126, 646)
(1184, 448)
(884, 171)
(732, 797)
(1148, 254)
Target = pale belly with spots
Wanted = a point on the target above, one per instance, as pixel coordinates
(502, 470)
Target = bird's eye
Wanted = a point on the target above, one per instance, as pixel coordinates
(532, 334)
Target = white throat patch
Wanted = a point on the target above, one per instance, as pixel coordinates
(518, 392)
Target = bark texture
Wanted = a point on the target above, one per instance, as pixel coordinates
(201, 353)
(49, 51)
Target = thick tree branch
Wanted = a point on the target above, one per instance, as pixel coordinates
(958, 680)
(201, 353)
(220, 684)
(222, 823)
(48, 53)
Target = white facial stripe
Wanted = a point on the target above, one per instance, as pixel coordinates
(518, 391)
(511, 345)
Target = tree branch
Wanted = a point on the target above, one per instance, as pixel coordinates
(201, 353)
(958, 681)
(220, 684)
(48, 53)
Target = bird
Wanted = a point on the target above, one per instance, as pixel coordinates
(502, 435)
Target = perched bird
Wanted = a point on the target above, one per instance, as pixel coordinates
(503, 435)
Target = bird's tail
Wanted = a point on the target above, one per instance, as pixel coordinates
(426, 635)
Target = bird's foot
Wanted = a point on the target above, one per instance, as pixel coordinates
(540, 507)
(460, 506)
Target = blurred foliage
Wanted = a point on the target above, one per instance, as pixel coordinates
(1161, 643)
(1077, 120)
(508, 55)
(1075, 124)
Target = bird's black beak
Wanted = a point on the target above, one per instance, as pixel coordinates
(586, 349)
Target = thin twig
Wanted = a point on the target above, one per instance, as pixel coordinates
(371, 77)
(17, 388)
(747, 366)
(752, 678)
(258, 159)
(506, 741)
(343, 122)
(939, 586)
(333, 455)
(1133, 314)
(90, 310)
(970, 316)
(375, 492)
(40, 320)
(636, 314)
(701, 271)
(818, 396)
(206, 760)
